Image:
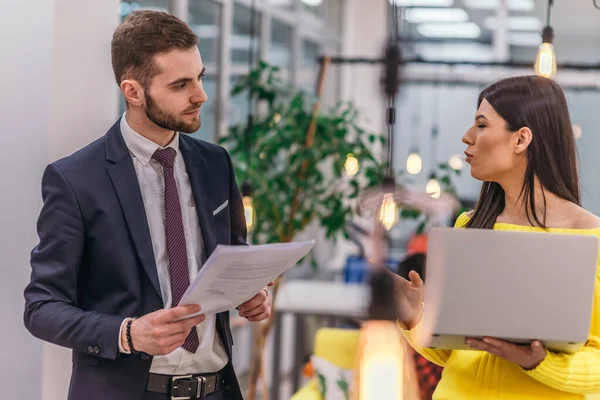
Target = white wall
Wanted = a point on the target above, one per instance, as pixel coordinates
(84, 92)
(584, 108)
(83, 107)
(364, 33)
(25, 70)
(57, 94)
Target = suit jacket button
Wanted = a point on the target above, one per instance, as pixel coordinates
(90, 349)
(97, 350)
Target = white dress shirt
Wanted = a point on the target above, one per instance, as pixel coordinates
(211, 355)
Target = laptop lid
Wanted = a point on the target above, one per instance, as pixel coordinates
(516, 286)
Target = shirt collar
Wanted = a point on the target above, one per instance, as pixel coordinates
(140, 147)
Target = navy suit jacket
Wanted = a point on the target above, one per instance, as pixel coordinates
(94, 264)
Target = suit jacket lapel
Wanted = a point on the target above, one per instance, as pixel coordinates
(122, 173)
(197, 170)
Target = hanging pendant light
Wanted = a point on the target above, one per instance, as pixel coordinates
(414, 163)
(545, 62)
(456, 162)
(249, 212)
(381, 359)
(388, 211)
(246, 189)
(351, 165)
(433, 187)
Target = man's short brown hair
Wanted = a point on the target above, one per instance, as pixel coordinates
(142, 35)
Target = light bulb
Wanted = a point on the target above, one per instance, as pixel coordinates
(248, 212)
(456, 162)
(381, 362)
(433, 188)
(414, 163)
(545, 62)
(388, 212)
(351, 165)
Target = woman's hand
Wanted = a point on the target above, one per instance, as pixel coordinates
(526, 356)
(409, 297)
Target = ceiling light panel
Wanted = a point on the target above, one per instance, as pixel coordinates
(526, 24)
(419, 15)
(423, 3)
(514, 5)
(466, 30)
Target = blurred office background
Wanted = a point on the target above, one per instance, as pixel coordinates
(57, 93)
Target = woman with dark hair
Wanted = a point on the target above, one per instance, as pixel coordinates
(522, 147)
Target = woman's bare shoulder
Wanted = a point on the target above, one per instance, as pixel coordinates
(585, 219)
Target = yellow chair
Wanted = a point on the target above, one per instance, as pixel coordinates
(338, 346)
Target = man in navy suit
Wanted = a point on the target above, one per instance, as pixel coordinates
(126, 224)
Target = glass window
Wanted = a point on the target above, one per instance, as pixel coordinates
(237, 110)
(316, 7)
(240, 40)
(207, 112)
(280, 48)
(310, 53)
(128, 6)
(309, 65)
(285, 4)
(204, 21)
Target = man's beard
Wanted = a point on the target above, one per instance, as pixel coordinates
(169, 121)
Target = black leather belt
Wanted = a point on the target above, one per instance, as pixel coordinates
(184, 387)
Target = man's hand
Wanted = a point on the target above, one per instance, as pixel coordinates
(257, 308)
(526, 356)
(157, 334)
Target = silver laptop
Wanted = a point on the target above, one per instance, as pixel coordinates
(514, 286)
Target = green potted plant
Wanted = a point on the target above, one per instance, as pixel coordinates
(298, 178)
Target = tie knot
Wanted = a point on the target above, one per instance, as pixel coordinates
(166, 157)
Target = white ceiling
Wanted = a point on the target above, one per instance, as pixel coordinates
(576, 26)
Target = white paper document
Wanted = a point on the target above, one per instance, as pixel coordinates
(233, 275)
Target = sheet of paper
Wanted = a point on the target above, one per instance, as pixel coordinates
(233, 275)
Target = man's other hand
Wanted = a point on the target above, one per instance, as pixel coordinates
(159, 333)
(257, 308)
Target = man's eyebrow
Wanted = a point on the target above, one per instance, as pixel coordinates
(184, 80)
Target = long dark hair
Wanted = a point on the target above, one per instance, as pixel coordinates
(539, 104)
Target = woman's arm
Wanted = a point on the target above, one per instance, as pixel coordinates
(413, 336)
(578, 372)
(574, 373)
(436, 356)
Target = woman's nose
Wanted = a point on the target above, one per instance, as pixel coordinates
(469, 137)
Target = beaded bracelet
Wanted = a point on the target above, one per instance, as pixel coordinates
(128, 333)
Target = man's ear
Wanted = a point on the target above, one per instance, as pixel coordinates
(523, 138)
(133, 92)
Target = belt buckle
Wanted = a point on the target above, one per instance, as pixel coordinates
(199, 390)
